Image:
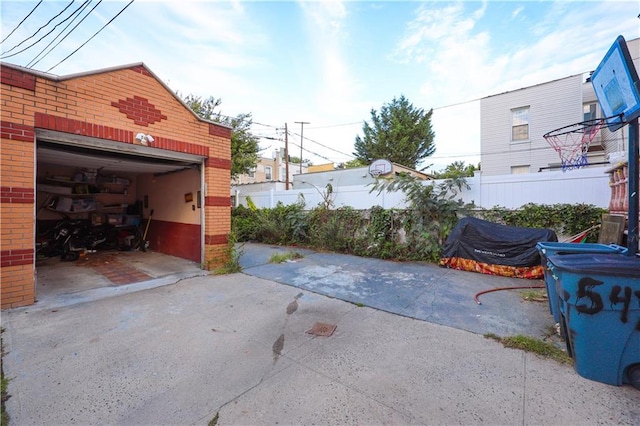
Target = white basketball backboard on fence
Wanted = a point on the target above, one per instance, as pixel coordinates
(380, 167)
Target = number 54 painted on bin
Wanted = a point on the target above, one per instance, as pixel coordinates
(586, 290)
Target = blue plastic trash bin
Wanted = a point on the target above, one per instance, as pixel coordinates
(547, 249)
(600, 311)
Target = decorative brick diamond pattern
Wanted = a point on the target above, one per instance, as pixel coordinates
(140, 110)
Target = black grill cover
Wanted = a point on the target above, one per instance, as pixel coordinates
(496, 244)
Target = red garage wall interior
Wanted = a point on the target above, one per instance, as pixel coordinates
(114, 105)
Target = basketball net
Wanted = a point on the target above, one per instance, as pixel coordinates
(572, 142)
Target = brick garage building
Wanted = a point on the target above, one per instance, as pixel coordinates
(53, 127)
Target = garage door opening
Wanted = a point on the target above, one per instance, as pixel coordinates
(127, 216)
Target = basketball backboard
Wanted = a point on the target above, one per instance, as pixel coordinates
(380, 167)
(616, 84)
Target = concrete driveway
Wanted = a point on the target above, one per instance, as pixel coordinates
(417, 290)
(237, 346)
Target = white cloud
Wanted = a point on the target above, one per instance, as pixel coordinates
(326, 28)
(456, 59)
(516, 12)
(575, 40)
(336, 95)
(461, 63)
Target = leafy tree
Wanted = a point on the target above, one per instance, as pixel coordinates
(204, 108)
(294, 159)
(457, 169)
(351, 164)
(400, 133)
(245, 147)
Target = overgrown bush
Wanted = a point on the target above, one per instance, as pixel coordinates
(279, 225)
(244, 222)
(433, 214)
(382, 235)
(416, 233)
(564, 219)
(334, 230)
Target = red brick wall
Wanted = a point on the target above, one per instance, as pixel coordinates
(17, 196)
(112, 105)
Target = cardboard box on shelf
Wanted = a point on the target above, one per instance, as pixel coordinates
(63, 204)
(97, 219)
(83, 205)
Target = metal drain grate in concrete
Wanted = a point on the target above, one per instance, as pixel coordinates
(322, 329)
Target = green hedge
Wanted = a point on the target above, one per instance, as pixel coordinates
(409, 234)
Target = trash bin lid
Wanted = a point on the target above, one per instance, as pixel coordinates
(579, 247)
(618, 265)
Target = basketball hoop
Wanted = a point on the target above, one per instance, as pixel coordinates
(572, 142)
(375, 173)
(380, 167)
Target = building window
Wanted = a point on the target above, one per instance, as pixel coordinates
(267, 172)
(519, 170)
(283, 175)
(589, 111)
(520, 124)
(252, 172)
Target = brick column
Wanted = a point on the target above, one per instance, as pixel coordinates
(17, 220)
(217, 213)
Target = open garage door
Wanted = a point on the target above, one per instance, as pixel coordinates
(131, 190)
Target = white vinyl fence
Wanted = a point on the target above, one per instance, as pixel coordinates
(581, 186)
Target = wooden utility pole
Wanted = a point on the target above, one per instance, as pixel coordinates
(286, 156)
(302, 123)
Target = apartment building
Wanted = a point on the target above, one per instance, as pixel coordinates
(271, 169)
(512, 124)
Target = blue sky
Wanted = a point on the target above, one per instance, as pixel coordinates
(330, 62)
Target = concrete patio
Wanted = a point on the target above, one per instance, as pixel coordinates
(238, 346)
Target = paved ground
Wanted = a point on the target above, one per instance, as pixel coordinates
(417, 290)
(107, 274)
(237, 346)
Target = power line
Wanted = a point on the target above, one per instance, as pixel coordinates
(334, 125)
(91, 38)
(20, 23)
(83, 6)
(52, 30)
(34, 34)
(311, 152)
(266, 125)
(327, 147)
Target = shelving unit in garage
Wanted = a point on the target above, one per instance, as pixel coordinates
(104, 200)
(87, 196)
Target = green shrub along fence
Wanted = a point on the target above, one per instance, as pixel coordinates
(416, 233)
(394, 234)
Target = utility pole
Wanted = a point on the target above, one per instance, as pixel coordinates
(302, 123)
(286, 156)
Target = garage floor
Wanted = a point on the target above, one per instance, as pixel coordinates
(100, 274)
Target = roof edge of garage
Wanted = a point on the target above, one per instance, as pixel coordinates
(54, 77)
